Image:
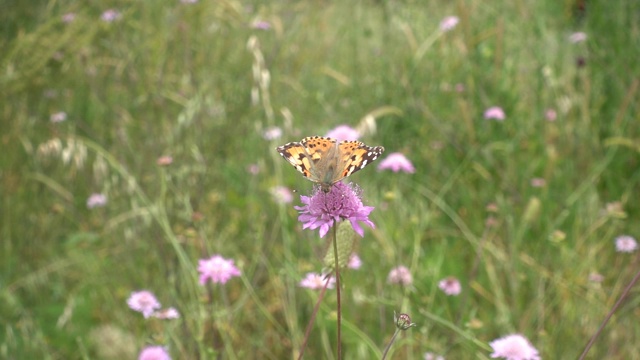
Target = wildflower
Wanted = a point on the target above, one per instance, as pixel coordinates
(110, 15)
(154, 353)
(316, 281)
(397, 162)
(538, 182)
(144, 302)
(577, 37)
(551, 115)
(344, 132)
(322, 210)
(400, 275)
(596, 277)
(217, 269)
(96, 200)
(169, 313)
(272, 133)
(188, 1)
(354, 262)
(164, 160)
(495, 113)
(403, 321)
(261, 25)
(58, 117)
(282, 195)
(449, 23)
(626, 244)
(253, 169)
(68, 17)
(450, 286)
(432, 356)
(514, 347)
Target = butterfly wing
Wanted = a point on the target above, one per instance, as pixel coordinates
(355, 155)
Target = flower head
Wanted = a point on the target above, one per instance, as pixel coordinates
(169, 313)
(397, 162)
(96, 200)
(316, 281)
(577, 37)
(164, 160)
(514, 347)
(551, 115)
(58, 117)
(261, 25)
(282, 194)
(400, 275)
(154, 353)
(495, 113)
(344, 132)
(323, 210)
(432, 356)
(144, 302)
(403, 321)
(354, 262)
(449, 23)
(450, 286)
(217, 269)
(626, 244)
(272, 133)
(110, 15)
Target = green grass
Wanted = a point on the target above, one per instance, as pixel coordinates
(176, 79)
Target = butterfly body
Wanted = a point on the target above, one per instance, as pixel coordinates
(326, 161)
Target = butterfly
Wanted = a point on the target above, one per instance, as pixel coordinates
(326, 161)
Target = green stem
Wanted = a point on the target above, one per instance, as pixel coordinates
(393, 338)
(337, 266)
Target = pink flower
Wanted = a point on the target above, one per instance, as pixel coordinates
(110, 15)
(449, 23)
(450, 286)
(253, 169)
(154, 353)
(217, 269)
(397, 162)
(354, 262)
(400, 275)
(577, 37)
(272, 133)
(551, 115)
(626, 244)
(144, 302)
(169, 313)
(316, 281)
(596, 277)
(514, 347)
(323, 210)
(495, 113)
(165, 160)
(96, 200)
(261, 25)
(432, 356)
(344, 132)
(58, 117)
(282, 195)
(538, 182)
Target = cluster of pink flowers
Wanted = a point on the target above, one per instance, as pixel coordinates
(146, 303)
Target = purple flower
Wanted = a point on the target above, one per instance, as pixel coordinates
(495, 113)
(144, 302)
(397, 162)
(58, 117)
(450, 286)
(577, 37)
(261, 25)
(344, 132)
(323, 210)
(626, 244)
(282, 195)
(449, 23)
(110, 15)
(514, 347)
(400, 275)
(551, 115)
(354, 262)
(96, 200)
(272, 133)
(154, 353)
(217, 269)
(316, 281)
(169, 313)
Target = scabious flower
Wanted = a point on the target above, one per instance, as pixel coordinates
(110, 15)
(449, 23)
(96, 200)
(400, 275)
(154, 353)
(217, 269)
(253, 169)
(551, 115)
(323, 210)
(538, 182)
(316, 281)
(450, 285)
(432, 356)
(495, 113)
(282, 194)
(164, 160)
(344, 132)
(397, 162)
(272, 133)
(514, 347)
(169, 313)
(143, 301)
(626, 244)
(58, 117)
(577, 37)
(354, 262)
(261, 25)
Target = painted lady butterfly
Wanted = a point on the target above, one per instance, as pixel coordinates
(326, 161)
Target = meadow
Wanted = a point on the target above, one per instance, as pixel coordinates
(139, 154)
